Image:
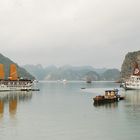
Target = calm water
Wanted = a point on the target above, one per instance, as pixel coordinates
(66, 112)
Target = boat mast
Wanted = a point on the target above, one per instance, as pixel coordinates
(2, 74)
(13, 72)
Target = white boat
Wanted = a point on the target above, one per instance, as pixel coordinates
(13, 83)
(134, 80)
(16, 85)
(64, 81)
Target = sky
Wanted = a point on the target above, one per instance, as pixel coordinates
(76, 32)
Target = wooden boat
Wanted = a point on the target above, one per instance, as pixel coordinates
(109, 97)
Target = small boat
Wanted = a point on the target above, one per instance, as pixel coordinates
(64, 81)
(88, 80)
(109, 97)
(83, 88)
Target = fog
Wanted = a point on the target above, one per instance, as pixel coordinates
(76, 32)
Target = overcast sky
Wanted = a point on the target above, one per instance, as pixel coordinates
(76, 32)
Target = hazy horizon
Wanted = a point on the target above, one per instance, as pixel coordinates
(97, 33)
(67, 65)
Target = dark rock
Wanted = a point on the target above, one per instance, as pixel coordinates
(129, 63)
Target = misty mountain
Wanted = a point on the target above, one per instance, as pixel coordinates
(111, 74)
(36, 70)
(72, 72)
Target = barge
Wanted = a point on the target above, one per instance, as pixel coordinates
(109, 97)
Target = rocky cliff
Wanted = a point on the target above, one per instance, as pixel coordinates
(128, 64)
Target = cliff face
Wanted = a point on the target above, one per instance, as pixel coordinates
(128, 64)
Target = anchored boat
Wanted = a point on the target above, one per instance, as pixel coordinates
(13, 83)
(88, 80)
(109, 97)
(134, 80)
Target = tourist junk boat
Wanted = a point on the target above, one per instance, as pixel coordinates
(109, 97)
(13, 83)
(134, 80)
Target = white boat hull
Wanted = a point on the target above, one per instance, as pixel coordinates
(5, 88)
(6, 85)
(132, 88)
(132, 83)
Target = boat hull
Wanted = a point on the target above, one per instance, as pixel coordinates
(5, 88)
(15, 85)
(133, 83)
(131, 88)
(102, 101)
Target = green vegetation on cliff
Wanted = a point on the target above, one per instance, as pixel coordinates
(21, 71)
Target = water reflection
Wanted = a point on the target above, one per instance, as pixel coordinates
(1, 108)
(12, 106)
(13, 98)
(133, 97)
(106, 105)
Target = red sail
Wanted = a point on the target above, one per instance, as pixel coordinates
(2, 75)
(13, 72)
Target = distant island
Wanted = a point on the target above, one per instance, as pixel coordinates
(73, 73)
(80, 73)
(69, 72)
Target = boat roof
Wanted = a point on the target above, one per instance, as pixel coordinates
(15, 80)
(114, 90)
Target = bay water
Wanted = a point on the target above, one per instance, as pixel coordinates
(66, 112)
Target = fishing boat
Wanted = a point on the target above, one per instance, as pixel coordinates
(13, 82)
(134, 80)
(88, 80)
(109, 97)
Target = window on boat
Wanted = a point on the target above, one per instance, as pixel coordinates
(133, 85)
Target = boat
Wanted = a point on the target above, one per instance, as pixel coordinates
(109, 97)
(64, 81)
(88, 80)
(13, 82)
(133, 82)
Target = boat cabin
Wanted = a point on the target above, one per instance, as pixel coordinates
(111, 93)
